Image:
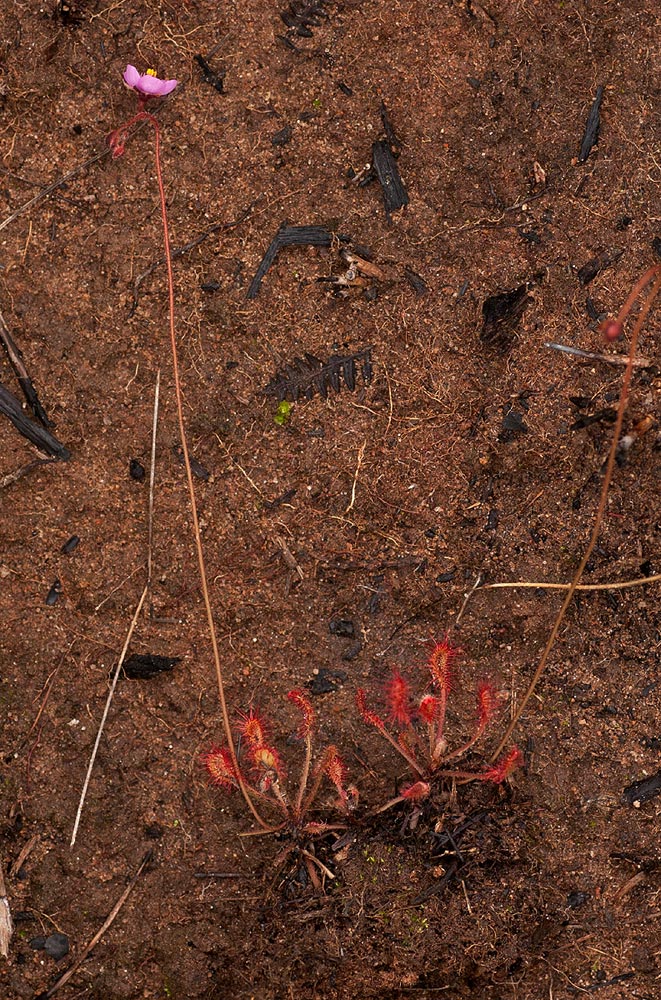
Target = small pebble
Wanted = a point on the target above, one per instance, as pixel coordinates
(57, 946)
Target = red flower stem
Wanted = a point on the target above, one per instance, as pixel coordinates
(652, 274)
(146, 116)
(305, 773)
(440, 728)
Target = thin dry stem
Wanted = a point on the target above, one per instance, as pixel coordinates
(305, 773)
(638, 581)
(653, 274)
(90, 766)
(191, 488)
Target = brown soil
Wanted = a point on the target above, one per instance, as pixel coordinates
(545, 903)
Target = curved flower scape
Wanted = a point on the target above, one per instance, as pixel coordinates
(147, 84)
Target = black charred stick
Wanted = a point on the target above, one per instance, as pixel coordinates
(395, 195)
(43, 439)
(596, 265)
(291, 236)
(389, 130)
(642, 791)
(591, 135)
(24, 380)
(214, 80)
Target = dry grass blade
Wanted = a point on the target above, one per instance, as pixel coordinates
(638, 581)
(90, 766)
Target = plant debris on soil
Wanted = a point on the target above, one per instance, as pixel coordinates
(514, 149)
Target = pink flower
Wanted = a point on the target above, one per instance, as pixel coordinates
(147, 84)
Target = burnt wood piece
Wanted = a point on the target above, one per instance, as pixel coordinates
(606, 416)
(140, 666)
(501, 315)
(395, 195)
(214, 80)
(417, 283)
(24, 380)
(309, 374)
(301, 17)
(292, 236)
(597, 264)
(43, 439)
(391, 137)
(196, 467)
(642, 791)
(591, 134)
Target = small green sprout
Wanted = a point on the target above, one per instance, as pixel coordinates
(283, 413)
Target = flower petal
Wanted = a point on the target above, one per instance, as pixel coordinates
(151, 86)
(131, 76)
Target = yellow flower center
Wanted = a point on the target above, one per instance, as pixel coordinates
(151, 72)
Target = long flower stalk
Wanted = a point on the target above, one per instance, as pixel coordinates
(147, 87)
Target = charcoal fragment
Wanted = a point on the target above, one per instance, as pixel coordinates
(326, 681)
(282, 137)
(144, 666)
(53, 595)
(342, 627)
(642, 791)
(136, 470)
(513, 423)
(57, 946)
(591, 134)
(501, 314)
(71, 544)
(354, 650)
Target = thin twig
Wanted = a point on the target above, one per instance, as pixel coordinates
(152, 474)
(99, 934)
(134, 622)
(651, 275)
(609, 359)
(639, 581)
(361, 455)
(13, 477)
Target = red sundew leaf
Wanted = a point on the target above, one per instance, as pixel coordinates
(252, 728)
(428, 709)
(488, 703)
(335, 770)
(397, 699)
(219, 767)
(504, 767)
(315, 829)
(304, 705)
(370, 717)
(440, 664)
(416, 792)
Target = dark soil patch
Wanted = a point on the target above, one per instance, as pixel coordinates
(469, 465)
